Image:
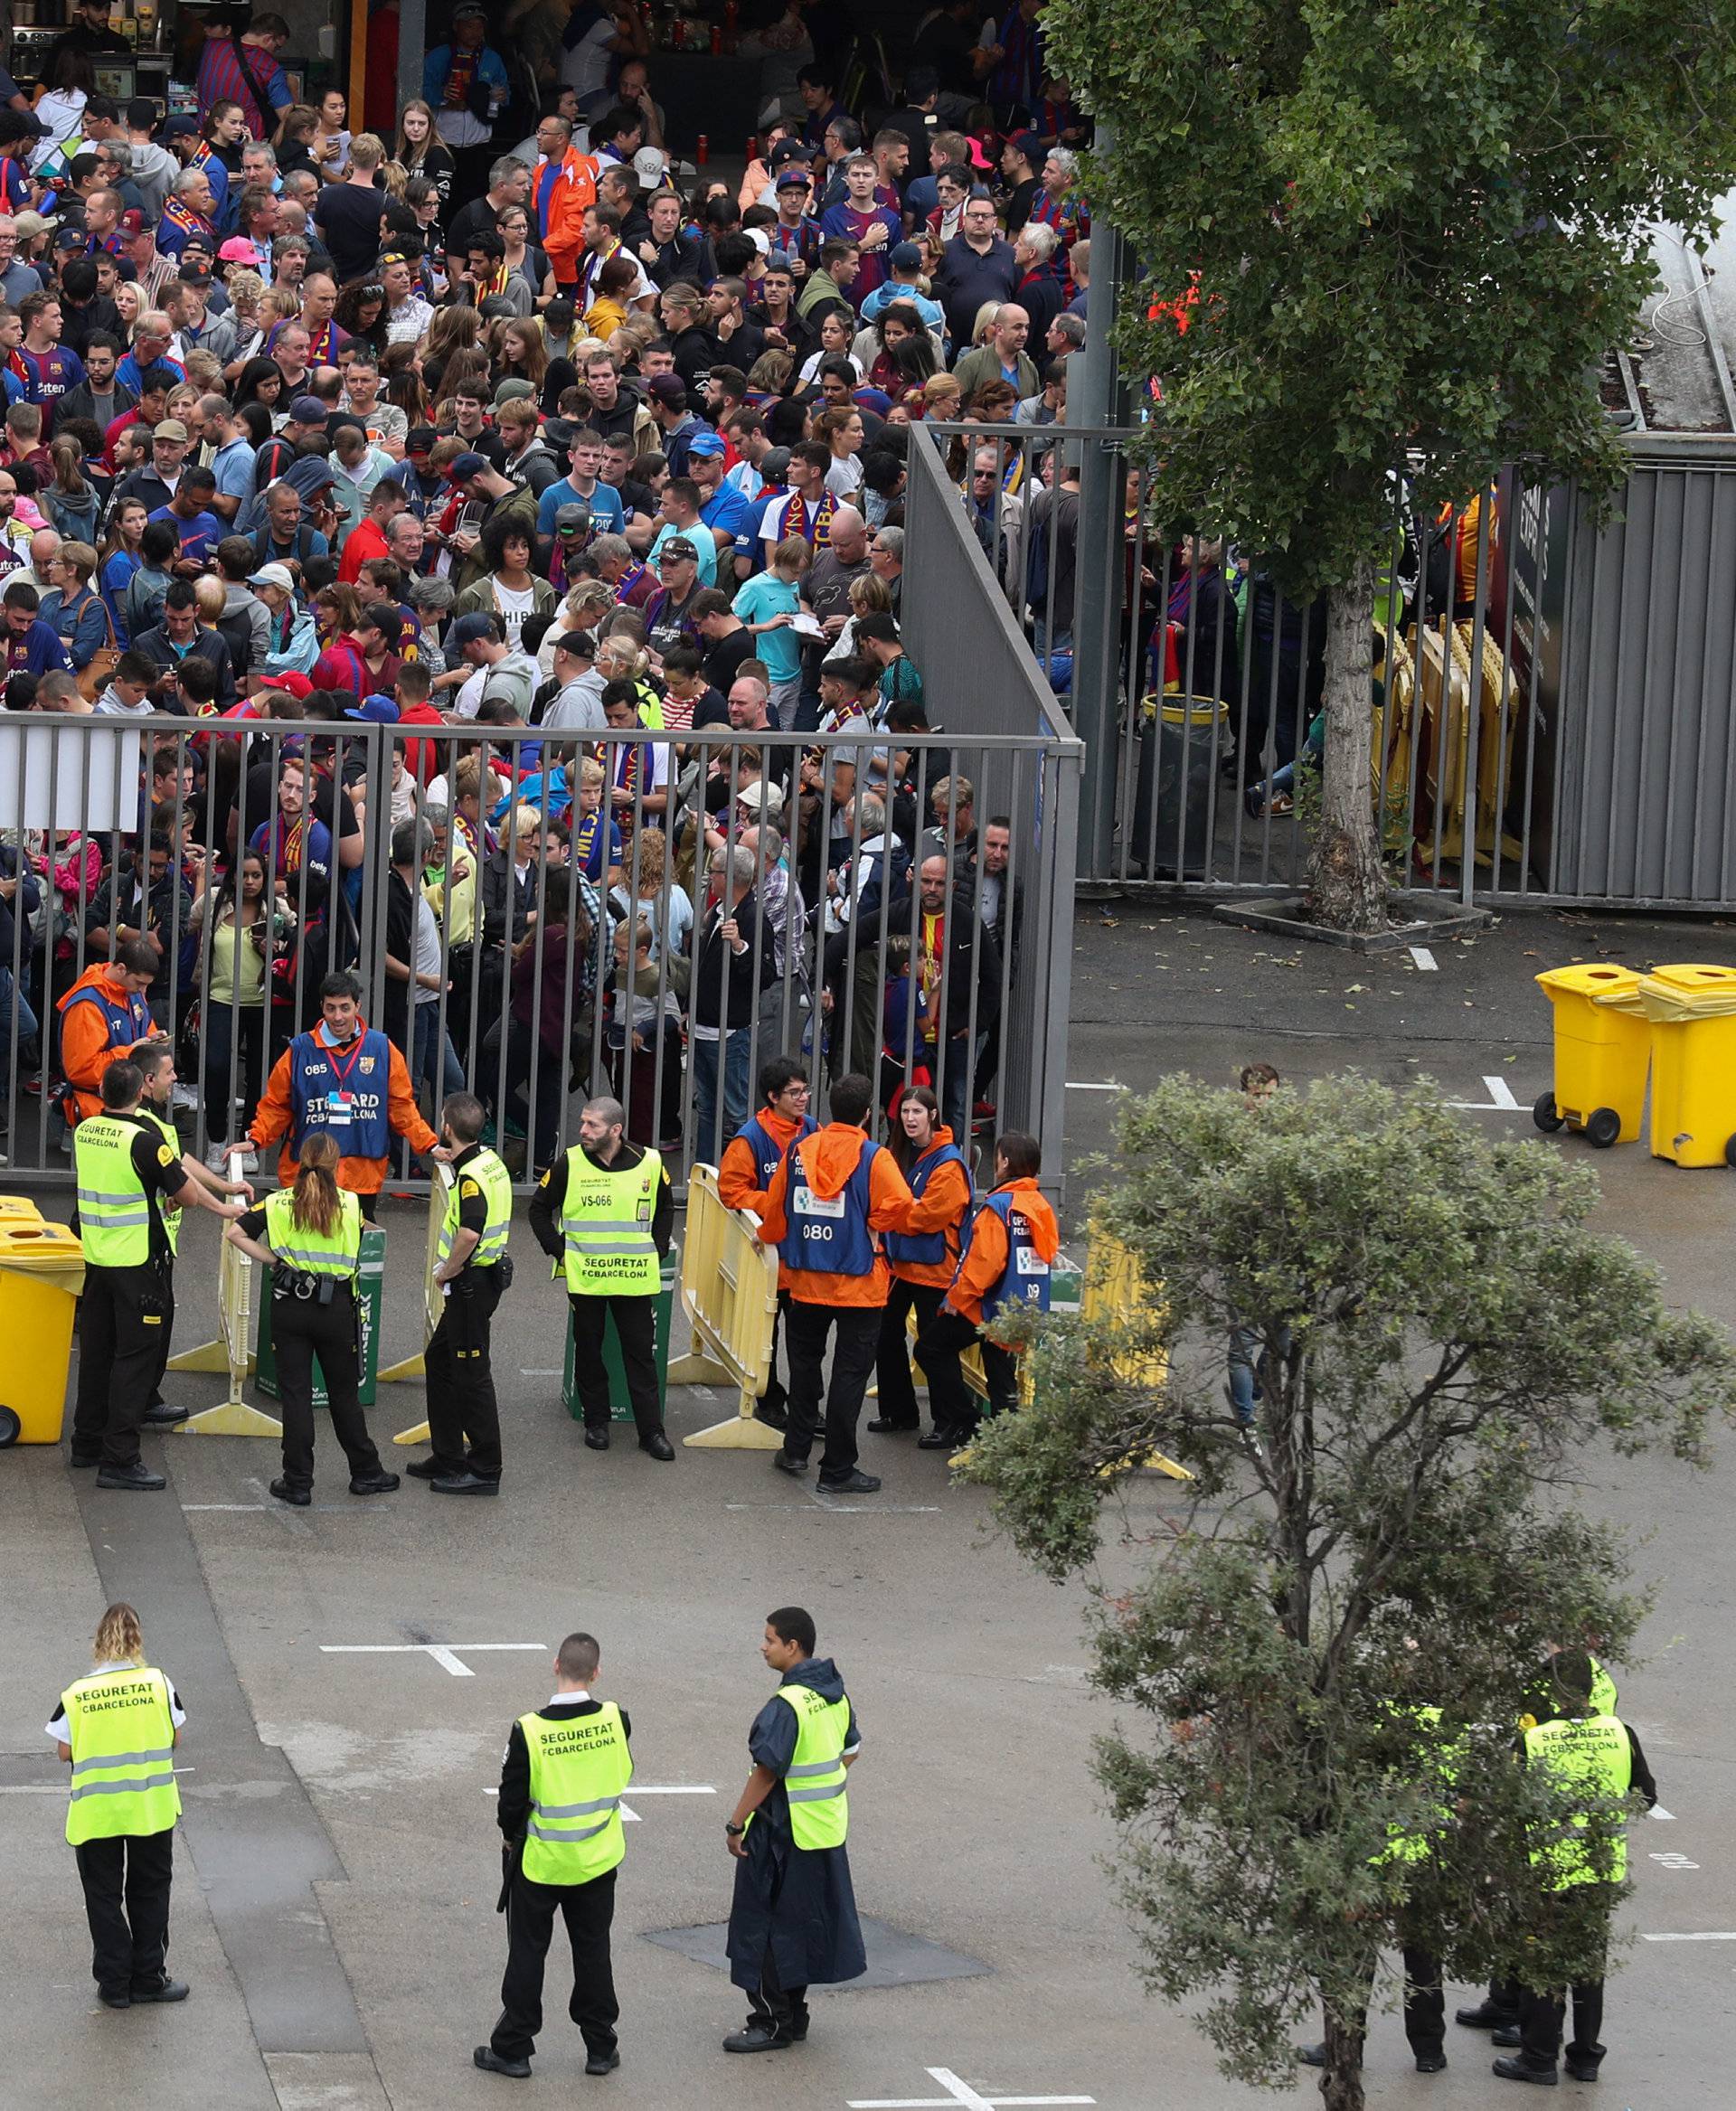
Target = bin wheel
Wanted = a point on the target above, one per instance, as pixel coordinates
(1602, 1127)
(11, 1429)
(1729, 1152)
(1548, 1117)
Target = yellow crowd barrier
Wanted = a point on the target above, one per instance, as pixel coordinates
(729, 1291)
(231, 1354)
(416, 1366)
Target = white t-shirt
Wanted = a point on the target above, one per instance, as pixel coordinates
(585, 68)
(512, 609)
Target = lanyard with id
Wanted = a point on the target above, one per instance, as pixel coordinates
(340, 1101)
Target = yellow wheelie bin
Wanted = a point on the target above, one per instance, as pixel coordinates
(19, 1206)
(41, 1274)
(1602, 1048)
(1691, 1008)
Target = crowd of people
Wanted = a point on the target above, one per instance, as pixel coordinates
(541, 476)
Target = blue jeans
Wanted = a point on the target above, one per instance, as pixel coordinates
(18, 1024)
(435, 1061)
(737, 1046)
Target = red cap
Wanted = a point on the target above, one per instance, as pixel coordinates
(132, 223)
(297, 685)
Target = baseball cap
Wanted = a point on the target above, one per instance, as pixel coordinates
(706, 444)
(793, 179)
(905, 257)
(181, 127)
(170, 429)
(420, 439)
(308, 411)
(467, 629)
(777, 261)
(510, 389)
(571, 516)
(677, 546)
(468, 464)
(193, 275)
(775, 466)
(375, 710)
(132, 222)
(1028, 145)
(70, 238)
(760, 798)
(469, 10)
(668, 388)
(31, 225)
(647, 165)
(273, 575)
(297, 685)
(787, 151)
(238, 250)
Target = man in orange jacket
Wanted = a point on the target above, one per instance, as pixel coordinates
(564, 185)
(348, 1079)
(830, 1199)
(744, 1173)
(103, 1016)
(1008, 1255)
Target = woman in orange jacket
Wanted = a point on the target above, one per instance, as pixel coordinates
(744, 1173)
(1009, 1252)
(924, 1259)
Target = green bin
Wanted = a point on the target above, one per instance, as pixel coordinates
(372, 1286)
(621, 1409)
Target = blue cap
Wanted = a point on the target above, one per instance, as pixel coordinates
(706, 444)
(377, 710)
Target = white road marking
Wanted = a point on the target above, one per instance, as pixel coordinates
(541, 1374)
(1672, 1861)
(254, 1507)
(1657, 1811)
(969, 2094)
(1499, 1101)
(849, 1509)
(443, 1652)
(1076, 1085)
(54, 1788)
(1424, 959)
(1726, 1936)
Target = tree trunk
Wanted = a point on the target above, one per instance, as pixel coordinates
(1346, 887)
(1341, 2084)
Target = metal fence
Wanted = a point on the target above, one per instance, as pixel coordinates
(540, 919)
(1552, 715)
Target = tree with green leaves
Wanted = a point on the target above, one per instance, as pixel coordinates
(1399, 229)
(1325, 1651)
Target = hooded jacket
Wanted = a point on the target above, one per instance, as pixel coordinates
(91, 1036)
(943, 1206)
(985, 1252)
(829, 1157)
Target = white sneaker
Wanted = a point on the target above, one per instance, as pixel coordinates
(249, 1160)
(184, 1097)
(217, 1158)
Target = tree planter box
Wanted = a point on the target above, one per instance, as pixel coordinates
(1416, 918)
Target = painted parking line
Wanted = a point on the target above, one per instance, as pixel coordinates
(1425, 960)
(1726, 1936)
(1499, 1101)
(445, 1653)
(1079, 1085)
(971, 2095)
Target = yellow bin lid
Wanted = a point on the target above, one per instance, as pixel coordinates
(1591, 979)
(19, 1206)
(1696, 975)
(43, 1250)
(1667, 996)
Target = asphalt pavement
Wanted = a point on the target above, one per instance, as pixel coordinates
(350, 1672)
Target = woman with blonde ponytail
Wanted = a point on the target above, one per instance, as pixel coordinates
(310, 1237)
(119, 1727)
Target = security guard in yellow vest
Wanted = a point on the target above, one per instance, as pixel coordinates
(126, 1172)
(1586, 1750)
(120, 1727)
(604, 1215)
(560, 1813)
(310, 1238)
(793, 1919)
(156, 1059)
(471, 1269)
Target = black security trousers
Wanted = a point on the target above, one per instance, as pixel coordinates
(462, 1408)
(636, 1329)
(127, 1885)
(892, 1358)
(531, 1908)
(124, 1320)
(301, 1329)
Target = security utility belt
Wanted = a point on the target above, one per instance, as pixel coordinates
(310, 1289)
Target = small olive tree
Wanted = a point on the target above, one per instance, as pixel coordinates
(1327, 1650)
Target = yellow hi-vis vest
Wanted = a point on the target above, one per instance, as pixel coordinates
(605, 1226)
(122, 1735)
(579, 1764)
(820, 1810)
(497, 1184)
(114, 1205)
(315, 1253)
(170, 1212)
(1403, 1843)
(1590, 1752)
